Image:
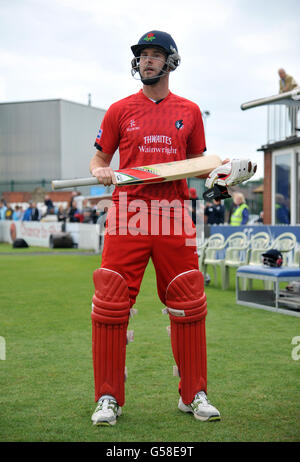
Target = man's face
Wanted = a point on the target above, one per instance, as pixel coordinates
(282, 73)
(152, 61)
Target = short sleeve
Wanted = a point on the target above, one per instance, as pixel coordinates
(196, 140)
(108, 137)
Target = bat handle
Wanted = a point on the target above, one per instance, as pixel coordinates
(61, 184)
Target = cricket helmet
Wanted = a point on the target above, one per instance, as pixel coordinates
(165, 42)
(272, 258)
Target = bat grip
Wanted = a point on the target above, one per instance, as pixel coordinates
(73, 183)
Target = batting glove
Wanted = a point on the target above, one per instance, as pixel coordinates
(232, 173)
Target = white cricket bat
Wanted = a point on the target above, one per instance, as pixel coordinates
(156, 173)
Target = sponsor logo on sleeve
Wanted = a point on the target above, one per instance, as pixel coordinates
(99, 135)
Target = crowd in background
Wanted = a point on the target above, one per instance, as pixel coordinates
(214, 212)
(83, 212)
(48, 211)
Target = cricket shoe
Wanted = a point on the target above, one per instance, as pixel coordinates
(107, 411)
(200, 407)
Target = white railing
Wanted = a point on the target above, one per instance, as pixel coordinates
(283, 114)
(283, 121)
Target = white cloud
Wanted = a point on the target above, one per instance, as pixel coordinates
(262, 43)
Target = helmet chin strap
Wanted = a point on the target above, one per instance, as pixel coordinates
(151, 81)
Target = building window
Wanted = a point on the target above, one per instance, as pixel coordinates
(283, 188)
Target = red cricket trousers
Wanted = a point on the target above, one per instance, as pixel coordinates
(170, 243)
(128, 246)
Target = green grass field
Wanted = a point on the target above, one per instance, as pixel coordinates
(46, 379)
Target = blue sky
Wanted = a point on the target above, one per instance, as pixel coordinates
(231, 51)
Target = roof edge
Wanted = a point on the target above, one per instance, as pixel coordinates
(51, 100)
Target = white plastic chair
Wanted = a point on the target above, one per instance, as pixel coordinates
(234, 245)
(259, 243)
(285, 243)
(296, 260)
(201, 246)
(214, 244)
(235, 254)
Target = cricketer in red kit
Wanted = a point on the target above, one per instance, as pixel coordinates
(151, 126)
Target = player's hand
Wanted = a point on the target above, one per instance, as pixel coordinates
(231, 173)
(105, 175)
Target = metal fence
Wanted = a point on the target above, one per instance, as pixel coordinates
(283, 122)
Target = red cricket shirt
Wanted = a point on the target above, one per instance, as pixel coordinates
(149, 133)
